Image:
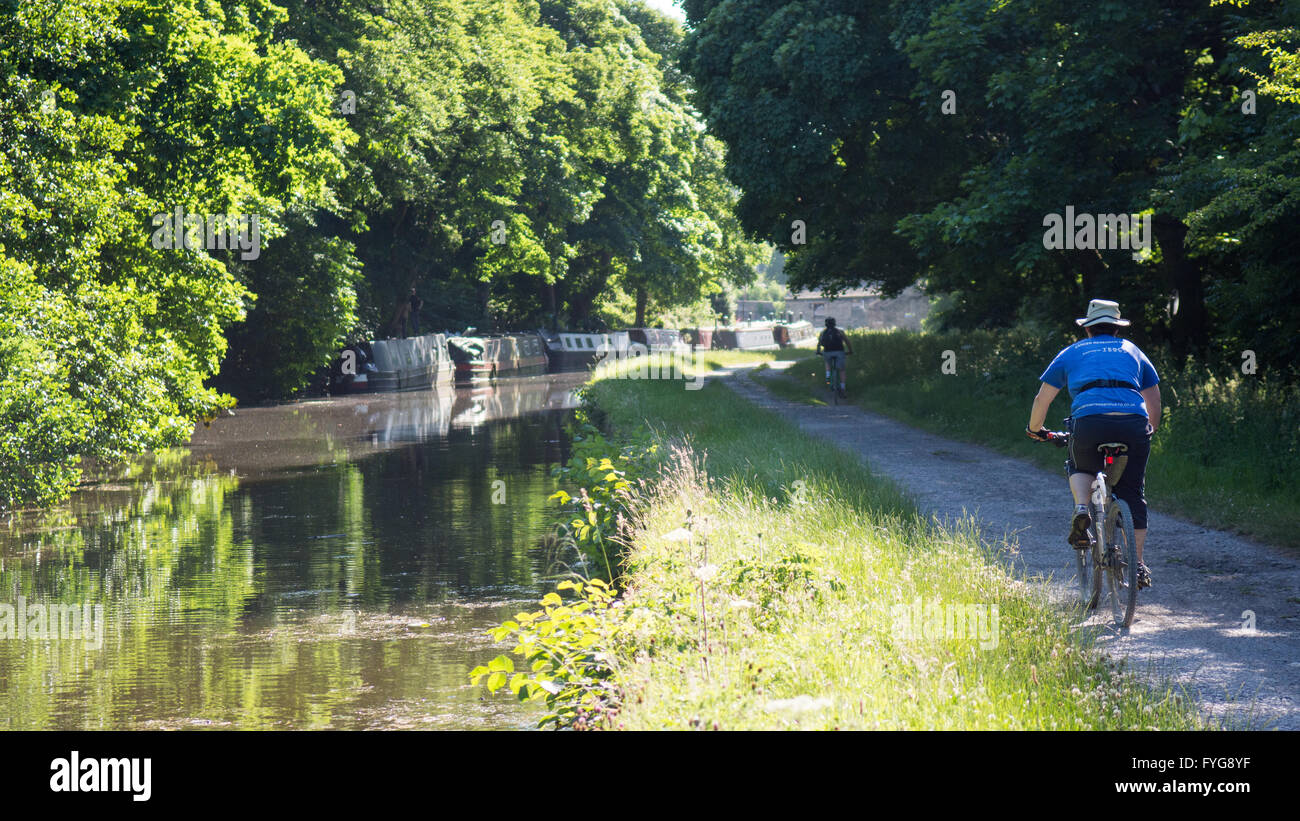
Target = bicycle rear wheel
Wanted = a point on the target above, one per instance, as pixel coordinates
(1119, 533)
(834, 385)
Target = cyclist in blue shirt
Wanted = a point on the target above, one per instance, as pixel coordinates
(1116, 398)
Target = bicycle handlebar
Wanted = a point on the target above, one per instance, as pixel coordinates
(1059, 438)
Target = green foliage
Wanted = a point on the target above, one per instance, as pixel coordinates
(111, 113)
(813, 101)
(604, 478)
(565, 124)
(42, 426)
(699, 314)
(562, 647)
(305, 308)
(926, 142)
(773, 584)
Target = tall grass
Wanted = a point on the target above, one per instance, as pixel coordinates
(1226, 455)
(764, 581)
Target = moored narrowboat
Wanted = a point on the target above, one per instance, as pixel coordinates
(573, 351)
(469, 353)
(699, 339)
(794, 334)
(486, 357)
(412, 363)
(745, 337)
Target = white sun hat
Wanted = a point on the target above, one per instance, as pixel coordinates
(1102, 312)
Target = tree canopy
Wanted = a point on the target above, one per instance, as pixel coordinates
(519, 163)
(930, 141)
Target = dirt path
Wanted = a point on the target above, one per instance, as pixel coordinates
(1189, 625)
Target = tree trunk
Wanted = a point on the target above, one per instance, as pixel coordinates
(1189, 328)
(641, 299)
(586, 280)
(484, 293)
(548, 296)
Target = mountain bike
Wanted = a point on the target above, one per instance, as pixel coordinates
(1109, 563)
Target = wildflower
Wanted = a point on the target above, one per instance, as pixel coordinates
(706, 572)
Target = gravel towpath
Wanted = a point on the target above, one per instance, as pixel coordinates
(1190, 625)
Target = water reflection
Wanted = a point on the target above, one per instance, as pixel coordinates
(321, 564)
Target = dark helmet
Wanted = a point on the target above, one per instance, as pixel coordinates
(830, 322)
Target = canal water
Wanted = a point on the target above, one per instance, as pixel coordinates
(321, 564)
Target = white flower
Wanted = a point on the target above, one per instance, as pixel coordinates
(706, 572)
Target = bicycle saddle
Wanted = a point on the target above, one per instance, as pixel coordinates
(1113, 447)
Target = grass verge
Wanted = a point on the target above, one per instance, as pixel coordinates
(771, 583)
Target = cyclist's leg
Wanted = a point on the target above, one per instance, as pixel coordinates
(1081, 487)
(839, 359)
(826, 359)
(1131, 486)
(1084, 461)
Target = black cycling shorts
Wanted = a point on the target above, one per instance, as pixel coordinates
(1087, 432)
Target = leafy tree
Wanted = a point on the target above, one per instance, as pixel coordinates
(663, 228)
(305, 284)
(111, 113)
(827, 144)
(1237, 186)
(834, 113)
(515, 161)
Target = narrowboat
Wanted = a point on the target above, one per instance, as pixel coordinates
(700, 339)
(573, 351)
(469, 353)
(517, 352)
(794, 334)
(487, 357)
(658, 340)
(745, 337)
(412, 363)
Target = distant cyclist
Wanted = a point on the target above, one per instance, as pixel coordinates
(834, 347)
(1116, 398)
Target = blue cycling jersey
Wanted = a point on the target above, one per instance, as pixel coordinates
(1102, 357)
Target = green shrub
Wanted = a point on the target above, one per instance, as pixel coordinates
(562, 646)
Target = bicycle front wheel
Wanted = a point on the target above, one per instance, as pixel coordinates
(1098, 558)
(1119, 533)
(1083, 562)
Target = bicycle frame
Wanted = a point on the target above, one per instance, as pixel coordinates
(1108, 561)
(832, 381)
